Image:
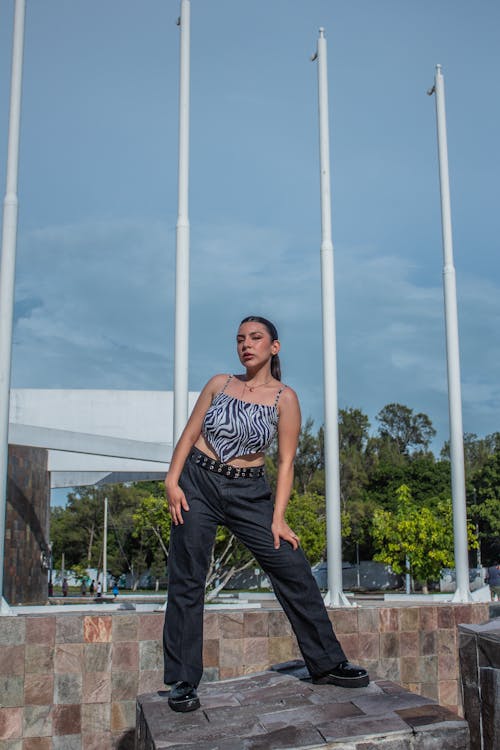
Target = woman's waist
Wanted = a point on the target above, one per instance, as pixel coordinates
(253, 460)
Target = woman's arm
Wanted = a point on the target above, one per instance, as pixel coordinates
(288, 438)
(176, 499)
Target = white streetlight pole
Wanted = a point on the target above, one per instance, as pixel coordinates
(181, 346)
(334, 596)
(8, 268)
(105, 548)
(462, 593)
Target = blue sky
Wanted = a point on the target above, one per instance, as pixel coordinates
(98, 194)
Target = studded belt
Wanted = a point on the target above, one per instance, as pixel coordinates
(226, 470)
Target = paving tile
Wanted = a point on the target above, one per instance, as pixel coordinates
(255, 625)
(428, 643)
(11, 722)
(278, 624)
(350, 645)
(409, 643)
(389, 645)
(426, 714)
(37, 721)
(428, 618)
(314, 714)
(445, 617)
(69, 629)
(255, 651)
(67, 742)
(37, 743)
(368, 620)
(39, 659)
(11, 691)
(289, 737)
(122, 715)
(67, 719)
(97, 657)
(387, 703)
(429, 690)
(41, 630)
(448, 693)
(125, 656)
(231, 625)
(409, 619)
(96, 717)
(97, 629)
(447, 642)
(388, 619)
(97, 687)
(344, 621)
(38, 689)
(447, 667)
(125, 627)
(350, 729)
(369, 646)
(68, 688)
(97, 741)
(150, 680)
(68, 657)
(124, 686)
(13, 631)
(11, 744)
(151, 626)
(12, 660)
(211, 652)
(150, 655)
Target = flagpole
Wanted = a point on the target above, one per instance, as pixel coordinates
(8, 270)
(462, 593)
(334, 596)
(181, 344)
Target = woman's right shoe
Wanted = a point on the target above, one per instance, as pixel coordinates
(183, 697)
(344, 675)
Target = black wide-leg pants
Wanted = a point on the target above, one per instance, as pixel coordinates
(245, 507)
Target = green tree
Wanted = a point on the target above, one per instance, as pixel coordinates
(405, 429)
(416, 538)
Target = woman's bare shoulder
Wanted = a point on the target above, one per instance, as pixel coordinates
(288, 397)
(217, 382)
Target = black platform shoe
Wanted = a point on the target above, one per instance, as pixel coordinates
(344, 675)
(183, 697)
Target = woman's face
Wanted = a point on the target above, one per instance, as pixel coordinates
(254, 343)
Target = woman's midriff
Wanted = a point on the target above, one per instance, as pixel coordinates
(254, 459)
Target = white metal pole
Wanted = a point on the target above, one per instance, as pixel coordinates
(462, 593)
(7, 269)
(105, 549)
(181, 346)
(334, 596)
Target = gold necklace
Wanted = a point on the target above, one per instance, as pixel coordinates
(252, 388)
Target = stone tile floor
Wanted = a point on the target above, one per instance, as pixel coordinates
(278, 710)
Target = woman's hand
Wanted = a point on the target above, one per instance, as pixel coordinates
(176, 502)
(281, 530)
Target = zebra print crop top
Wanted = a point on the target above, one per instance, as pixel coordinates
(233, 427)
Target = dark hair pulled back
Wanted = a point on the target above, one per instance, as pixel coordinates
(273, 332)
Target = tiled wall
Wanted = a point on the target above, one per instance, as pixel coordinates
(27, 526)
(69, 682)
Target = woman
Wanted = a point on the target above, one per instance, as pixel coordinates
(216, 477)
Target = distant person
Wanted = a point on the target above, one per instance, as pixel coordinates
(99, 589)
(51, 588)
(217, 477)
(92, 587)
(65, 587)
(83, 588)
(493, 579)
(115, 591)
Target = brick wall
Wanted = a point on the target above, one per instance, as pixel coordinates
(27, 526)
(69, 681)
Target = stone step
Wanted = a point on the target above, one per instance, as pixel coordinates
(278, 710)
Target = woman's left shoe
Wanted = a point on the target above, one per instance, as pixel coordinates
(183, 697)
(344, 675)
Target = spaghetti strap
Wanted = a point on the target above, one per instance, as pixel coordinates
(229, 377)
(278, 395)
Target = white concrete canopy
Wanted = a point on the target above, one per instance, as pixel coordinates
(96, 436)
